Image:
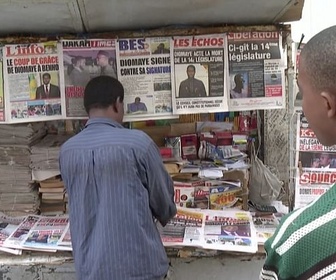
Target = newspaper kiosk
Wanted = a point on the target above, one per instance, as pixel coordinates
(187, 263)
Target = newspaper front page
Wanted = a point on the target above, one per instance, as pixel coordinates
(82, 61)
(199, 71)
(144, 69)
(229, 230)
(316, 165)
(33, 91)
(185, 229)
(256, 71)
(17, 237)
(2, 97)
(7, 226)
(65, 239)
(46, 233)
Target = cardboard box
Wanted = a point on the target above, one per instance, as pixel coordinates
(157, 133)
(189, 146)
(177, 129)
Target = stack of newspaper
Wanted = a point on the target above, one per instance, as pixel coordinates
(32, 232)
(17, 193)
(45, 156)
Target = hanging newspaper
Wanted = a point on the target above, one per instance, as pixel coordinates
(256, 71)
(2, 99)
(198, 74)
(82, 61)
(144, 69)
(316, 165)
(229, 230)
(32, 82)
(297, 95)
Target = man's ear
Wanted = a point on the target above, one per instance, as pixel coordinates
(117, 104)
(329, 100)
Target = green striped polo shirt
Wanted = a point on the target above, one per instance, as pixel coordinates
(304, 246)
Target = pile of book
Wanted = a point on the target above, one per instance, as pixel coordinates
(18, 194)
(52, 196)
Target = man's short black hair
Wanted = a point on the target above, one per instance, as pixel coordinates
(104, 53)
(319, 59)
(46, 75)
(191, 66)
(78, 58)
(102, 92)
(237, 78)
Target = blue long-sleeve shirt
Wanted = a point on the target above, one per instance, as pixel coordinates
(117, 185)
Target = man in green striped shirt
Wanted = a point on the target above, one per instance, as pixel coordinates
(303, 246)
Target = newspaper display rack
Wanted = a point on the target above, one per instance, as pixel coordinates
(315, 165)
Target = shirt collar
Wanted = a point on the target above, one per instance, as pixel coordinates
(103, 121)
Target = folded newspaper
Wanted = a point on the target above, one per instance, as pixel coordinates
(225, 230)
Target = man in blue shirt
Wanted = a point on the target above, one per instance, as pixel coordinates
(117, 187)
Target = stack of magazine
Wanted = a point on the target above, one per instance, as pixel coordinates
(18, 194)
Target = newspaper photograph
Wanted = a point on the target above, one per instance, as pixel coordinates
(82, 61)
(144, 69)
(32, 86)
(2, 98)
(256, 71)
(7, 226)
(185, 229)
(46, 233)
(198, 76)
(316, 165)
(229, 230)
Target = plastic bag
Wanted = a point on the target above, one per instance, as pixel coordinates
(264, 186)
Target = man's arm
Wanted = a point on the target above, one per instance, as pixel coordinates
(159, 184)
(182, 90)
(38, 93)
(203, 92)
(58, 93)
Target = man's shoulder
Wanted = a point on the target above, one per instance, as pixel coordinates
(70, 143)
(53, 86)
(130, 137)
(140, 135)
(199, 81)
